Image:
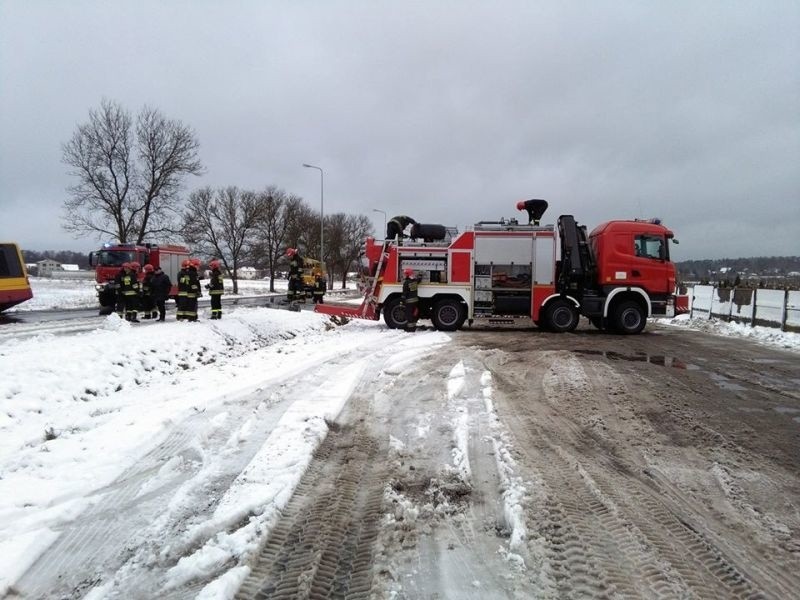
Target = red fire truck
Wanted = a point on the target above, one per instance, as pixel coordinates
(109, 259)
(505, 272)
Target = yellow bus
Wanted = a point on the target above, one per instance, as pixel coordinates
(14, 284)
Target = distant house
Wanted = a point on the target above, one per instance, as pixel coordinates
(53, 268)
(46, 267)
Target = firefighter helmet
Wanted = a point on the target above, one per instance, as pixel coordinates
(291, 251)
(126, 265)
(408, 272)
(185, 264)
(195, 262)
(135, 266)
(147, 268)
(214, 264)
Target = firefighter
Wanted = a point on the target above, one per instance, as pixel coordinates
(148, 303)
(129, 286)
(410, 299)
(319, 288)
(193, 291)
(161, 286)
(183, 289)
(296, 292)
(120, 299)
(216, 289)
(397, 225)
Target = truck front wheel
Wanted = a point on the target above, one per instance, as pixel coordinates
(629, 318)
(394, 314)
(561, 316)
(108, 300)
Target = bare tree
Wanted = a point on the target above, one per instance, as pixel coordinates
(222, 224)
(302, 229)
(128, 183)
(346, 234)
(279, 212)
(357, 228)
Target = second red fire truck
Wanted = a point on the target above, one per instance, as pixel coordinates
(506, 272)
(108, 261)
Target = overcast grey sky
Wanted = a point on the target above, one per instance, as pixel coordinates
(446, 111)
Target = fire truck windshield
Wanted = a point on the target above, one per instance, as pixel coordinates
(114, 258)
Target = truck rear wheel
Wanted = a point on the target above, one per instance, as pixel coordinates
(560, 316)
(448, 315)
(394, 314)
(108, 301)
(629, 318)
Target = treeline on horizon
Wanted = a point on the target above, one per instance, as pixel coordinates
(757, 265)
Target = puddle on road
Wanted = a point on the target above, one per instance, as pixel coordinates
(664, 361)
(725, 383)
(786, 410)
(667, 361)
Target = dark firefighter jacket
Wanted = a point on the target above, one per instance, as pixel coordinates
(215, 286)
(161, 285)
(410, 290)
(129, 284)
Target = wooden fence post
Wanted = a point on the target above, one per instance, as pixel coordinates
(711, 302)
(785, 309)
(755, 301)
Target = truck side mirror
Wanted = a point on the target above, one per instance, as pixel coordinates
(674, 241)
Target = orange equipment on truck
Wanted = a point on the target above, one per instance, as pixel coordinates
(109, 259)
(505, 272)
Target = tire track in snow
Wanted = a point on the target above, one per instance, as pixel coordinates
(113, 536)
(624, 546)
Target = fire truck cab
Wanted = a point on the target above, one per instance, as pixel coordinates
(504, 272)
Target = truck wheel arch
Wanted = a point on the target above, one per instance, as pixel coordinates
(560, 314)
(626, 293)
(627, 310)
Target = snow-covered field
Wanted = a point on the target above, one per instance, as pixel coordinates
(78, 410)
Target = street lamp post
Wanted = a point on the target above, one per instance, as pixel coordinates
(383, 212)
(321, 211)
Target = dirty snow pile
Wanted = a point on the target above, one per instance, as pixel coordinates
(763, 335)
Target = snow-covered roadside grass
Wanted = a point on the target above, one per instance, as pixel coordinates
(77, 411)
(55, 294)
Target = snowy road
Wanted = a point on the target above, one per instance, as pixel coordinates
(274, 455)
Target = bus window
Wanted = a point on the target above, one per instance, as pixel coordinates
(10, 265)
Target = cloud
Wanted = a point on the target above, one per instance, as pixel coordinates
(448, 111)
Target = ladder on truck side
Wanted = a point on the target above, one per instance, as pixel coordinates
(371, 295)
(368, 307)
